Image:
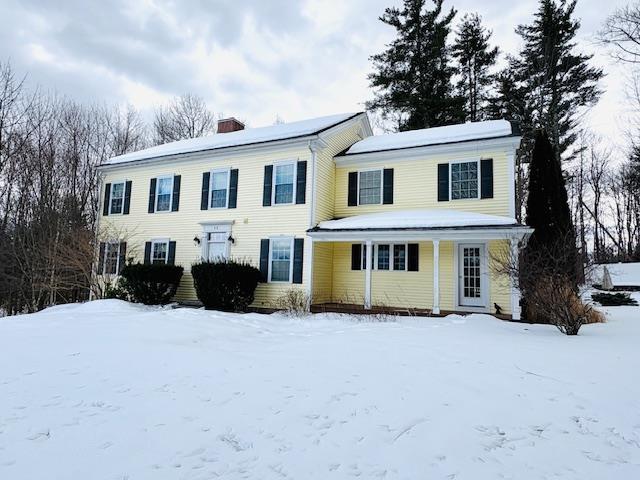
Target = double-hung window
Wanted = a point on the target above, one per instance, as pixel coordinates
(370, 187)
(391, 257)
(111, 258)
(464, 180)
(116, 202)
(219, 187)
(164, 193)
(280, 260)
(284, 181)
(159, 251)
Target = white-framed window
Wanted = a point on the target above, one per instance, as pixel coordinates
(164, 194)
(387, 256)
(370, 187)
(116, 198)
(219, 188)
(284, 183)
(465, 180)
(111, 258)
(281, 260)
(217, 246)
(159, 251)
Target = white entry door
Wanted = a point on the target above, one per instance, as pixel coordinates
(471, 275)
(217, 246)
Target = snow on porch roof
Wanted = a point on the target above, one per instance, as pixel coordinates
(249, 136)
(435, 136)
(416, 220)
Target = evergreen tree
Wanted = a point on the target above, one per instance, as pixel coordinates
(548, 211)
(412, 78)
(558, 82)
(475, 58)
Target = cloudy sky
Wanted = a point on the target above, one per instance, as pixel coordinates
(253, 59)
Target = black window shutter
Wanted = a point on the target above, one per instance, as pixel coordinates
(101, 258)
(264, 259)
(204, 199)
(266, 191)
(486, 178)
(152, 195)
(298, 255)
(301, 182)
(443, 182)
(353, 189)
(147, 252)
(233, 188)
(387, 186)
(356, 256)
(412, 257)
(171, 256)
(107, 197)
(122, 256)
(127, 198)
(175, 203)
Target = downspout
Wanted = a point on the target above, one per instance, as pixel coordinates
(312, 216)
(96, 233)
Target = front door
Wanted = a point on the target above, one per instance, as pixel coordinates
(471, 275)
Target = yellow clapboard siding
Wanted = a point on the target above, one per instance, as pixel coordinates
(416, 186)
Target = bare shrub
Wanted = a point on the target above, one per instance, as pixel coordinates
(294, 302)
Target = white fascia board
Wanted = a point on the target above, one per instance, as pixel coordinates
(507, 144)
(495, 233)
(235, 151)
(362, 119)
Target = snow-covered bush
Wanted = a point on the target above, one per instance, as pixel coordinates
(613, 299)
(294, 302)
(151, 284)
(228, 286)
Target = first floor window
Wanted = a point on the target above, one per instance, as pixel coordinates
(164, 189)
(283, 181)
(217, 246)
(383, 257)
(219, 189)
(281, 260)
(399, 257)
(117, 198)
(111, 258)
(159, 251)
(370, 186)
(464, 180)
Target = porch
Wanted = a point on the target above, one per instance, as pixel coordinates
(415, 263)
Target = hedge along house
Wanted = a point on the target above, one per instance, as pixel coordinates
(409, 220)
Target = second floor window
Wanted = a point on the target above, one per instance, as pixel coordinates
(284, 176)
(369, 187)
(159, 251)
(164, 189)
(219, 188)
(464, 180)
(117, 198)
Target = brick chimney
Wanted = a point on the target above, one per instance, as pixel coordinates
(227, 125)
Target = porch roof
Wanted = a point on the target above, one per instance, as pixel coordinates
(416, 224)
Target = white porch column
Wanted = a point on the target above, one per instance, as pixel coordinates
(309, 268)
(367, 275)
(436, 277)
(515, 292)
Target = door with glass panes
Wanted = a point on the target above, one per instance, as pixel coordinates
(471, 275)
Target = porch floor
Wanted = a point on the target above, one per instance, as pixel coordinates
(376, 310)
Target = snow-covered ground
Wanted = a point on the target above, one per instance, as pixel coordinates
(622, 274)
(109, 390)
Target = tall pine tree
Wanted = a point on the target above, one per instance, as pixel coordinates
(558, 82)
(475, 58)
(412, 77)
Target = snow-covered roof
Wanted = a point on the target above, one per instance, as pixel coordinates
(248, 136)
(416, 219)
(435, 136)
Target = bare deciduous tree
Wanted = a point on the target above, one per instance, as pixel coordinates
(621, 30)
(184, 117)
